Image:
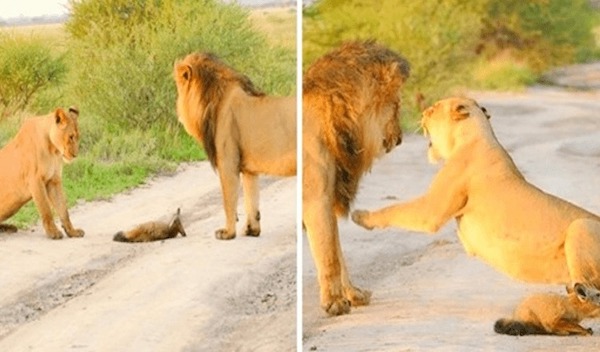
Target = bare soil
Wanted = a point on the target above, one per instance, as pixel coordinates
(428, 294)
(191, 293)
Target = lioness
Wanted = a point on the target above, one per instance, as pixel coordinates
(152, 231)
(243, 131)
(509, 223)
(351, 115)
(31, 167)
(553, 314)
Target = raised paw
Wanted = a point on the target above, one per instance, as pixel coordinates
(360, 218)
(222, 234)
(337, 307)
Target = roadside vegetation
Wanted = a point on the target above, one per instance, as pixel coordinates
(454, 45)
(114, 60)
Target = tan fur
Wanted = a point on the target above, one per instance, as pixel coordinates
(552, 314)
(153, 231)
(242, 131)
(504, 220)
(31, 168)
(351, 111)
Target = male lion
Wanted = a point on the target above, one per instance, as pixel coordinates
(31, 167)
(506, 221)
(351, 111)
(242, 131)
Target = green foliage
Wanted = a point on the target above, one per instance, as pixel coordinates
(435, 37)
(126, 49)
(503, 74)
(543, 33)
(27, 68)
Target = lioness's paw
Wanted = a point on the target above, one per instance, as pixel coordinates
(54, 235)
(75, 233)
(360, 218)
(337, 307)
(358, 297)
(222, 234)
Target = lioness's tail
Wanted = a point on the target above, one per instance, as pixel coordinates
(518, 328)
(120, 237)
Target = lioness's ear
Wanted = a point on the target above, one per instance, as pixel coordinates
(74, 112)
(184, 71)
(485, 112)
(460, 112)
(60, 117)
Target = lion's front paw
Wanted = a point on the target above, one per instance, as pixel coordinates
(360, 218)
(358, 297)
(337, 307)
(222, 234)
(76, 233)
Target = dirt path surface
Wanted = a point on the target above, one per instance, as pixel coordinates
(190, 293)
(428, 295)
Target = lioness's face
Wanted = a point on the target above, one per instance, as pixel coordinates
(441, 120)
(64, 133)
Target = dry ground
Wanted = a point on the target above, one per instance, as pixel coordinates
(191, 293)
(428, 295)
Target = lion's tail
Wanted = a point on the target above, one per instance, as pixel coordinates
(120, 237)
(518, 328)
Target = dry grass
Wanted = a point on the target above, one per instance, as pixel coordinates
(278, 24)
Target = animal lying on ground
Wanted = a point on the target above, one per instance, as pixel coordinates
(152, 231)
(507, 222)
(553, 314)
(31, 168)
(243, 131)
(351, 116)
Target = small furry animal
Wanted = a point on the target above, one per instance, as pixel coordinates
(152, 231)
(553, 314)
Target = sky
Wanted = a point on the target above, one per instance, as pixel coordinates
(31, 8)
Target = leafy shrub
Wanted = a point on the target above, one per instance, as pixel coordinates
(123, 53)
(448, 43)
(27, 68)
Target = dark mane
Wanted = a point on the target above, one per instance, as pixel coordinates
(354, 79)
(214, 79)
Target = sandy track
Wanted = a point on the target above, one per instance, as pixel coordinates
(428, 295)
(184, 294)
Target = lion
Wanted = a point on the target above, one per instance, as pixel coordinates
(153, 231)
(243, 131)
(31, 168)
(509, 223)
(351, 116)
(553, 314)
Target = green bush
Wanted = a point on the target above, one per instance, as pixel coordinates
(123, 53)
(435, 36)
(449, 42)
(27, 68)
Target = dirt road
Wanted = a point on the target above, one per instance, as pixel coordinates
(428, 295)
(190, 293)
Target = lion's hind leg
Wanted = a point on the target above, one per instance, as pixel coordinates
(582, 251)
(251, 196)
